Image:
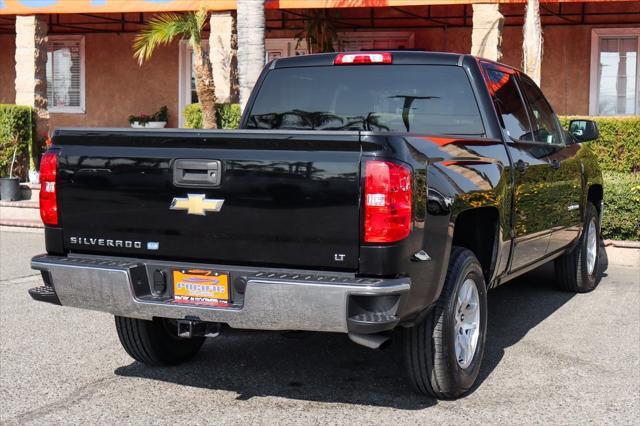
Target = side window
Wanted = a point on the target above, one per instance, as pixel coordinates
(509, 104)
(543, 120)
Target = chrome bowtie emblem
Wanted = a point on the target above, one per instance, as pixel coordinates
(196, 204)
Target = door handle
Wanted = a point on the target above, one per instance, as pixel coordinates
(522, 166)
(197, 173)
(555, 164)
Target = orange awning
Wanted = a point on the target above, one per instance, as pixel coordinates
(27, 7)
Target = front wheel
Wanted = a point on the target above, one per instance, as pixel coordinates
(443, 352)
(577, 270)
(155, 342)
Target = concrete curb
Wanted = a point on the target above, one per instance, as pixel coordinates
(22, 223)
(27, 230)
(22, 204)
(622, 244)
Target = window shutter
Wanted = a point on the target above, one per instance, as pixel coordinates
(64, 74)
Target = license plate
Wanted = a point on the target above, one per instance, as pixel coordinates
(201, 287)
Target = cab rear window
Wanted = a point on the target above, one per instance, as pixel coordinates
(429, 99)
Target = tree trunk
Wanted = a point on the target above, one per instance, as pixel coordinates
(532, 41)
(234, 95)
(251, 56)
(205, 87)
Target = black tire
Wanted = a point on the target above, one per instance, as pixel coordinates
(154, 343)
(572, 272)
(429, 346)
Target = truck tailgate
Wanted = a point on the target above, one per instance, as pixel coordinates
(287, 199)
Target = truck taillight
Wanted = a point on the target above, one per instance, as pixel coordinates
(48, 198)
(363, 58)
(387, 202)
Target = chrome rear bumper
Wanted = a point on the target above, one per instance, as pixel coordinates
(272, 301)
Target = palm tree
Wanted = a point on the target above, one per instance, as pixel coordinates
(163, 29)
(251, 54)
(320, 31)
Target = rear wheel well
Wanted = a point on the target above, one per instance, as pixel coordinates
(595, 195)
(477, 230)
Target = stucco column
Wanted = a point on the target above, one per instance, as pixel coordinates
(486, 37)
(31, 68)
(532, 42)
(222, 53)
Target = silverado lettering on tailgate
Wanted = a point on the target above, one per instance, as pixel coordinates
(107, 242)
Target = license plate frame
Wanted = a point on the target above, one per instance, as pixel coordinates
(206, 287)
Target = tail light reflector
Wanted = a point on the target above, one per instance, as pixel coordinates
(48, 198)
(387, 202)
(363, 58)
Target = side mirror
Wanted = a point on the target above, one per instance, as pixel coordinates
(584, 130)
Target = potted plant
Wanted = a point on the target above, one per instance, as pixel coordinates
(139, 121)
(159, 119)
(10, 186)
(156, 120)
(34, 173)
(34, 176)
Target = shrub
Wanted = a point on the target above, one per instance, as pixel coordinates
(618, 147)
(227, 116)
(621, 219)
(17, 129)
(193, 116)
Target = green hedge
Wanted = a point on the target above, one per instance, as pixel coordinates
(16, 129)
(618, 148)
(621, 219)
(228, 116)
(618, 152)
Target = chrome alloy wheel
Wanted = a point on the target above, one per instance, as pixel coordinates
(467, 322)
(592, 246)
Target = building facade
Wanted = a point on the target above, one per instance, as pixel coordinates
(590, 62)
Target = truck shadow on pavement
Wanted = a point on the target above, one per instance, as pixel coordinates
(330, 368)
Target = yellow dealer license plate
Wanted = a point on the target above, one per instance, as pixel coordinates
(201, 287)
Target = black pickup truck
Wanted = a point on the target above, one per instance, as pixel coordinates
(377, 194)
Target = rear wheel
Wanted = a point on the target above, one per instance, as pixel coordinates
(444, 351)
(155, 342)
(577, 270)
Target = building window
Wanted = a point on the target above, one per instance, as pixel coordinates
(615, 73)
(194, 91)
(65, 74)
(187, 93)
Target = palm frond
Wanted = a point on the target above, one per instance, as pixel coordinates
(201, 18)
(197, 21)
(162, 29)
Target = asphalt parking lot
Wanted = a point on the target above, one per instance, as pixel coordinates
(552, 358)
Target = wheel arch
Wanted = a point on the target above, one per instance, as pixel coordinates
(595, 195)
(478, 229)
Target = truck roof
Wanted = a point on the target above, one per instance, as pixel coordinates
(400, 57)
